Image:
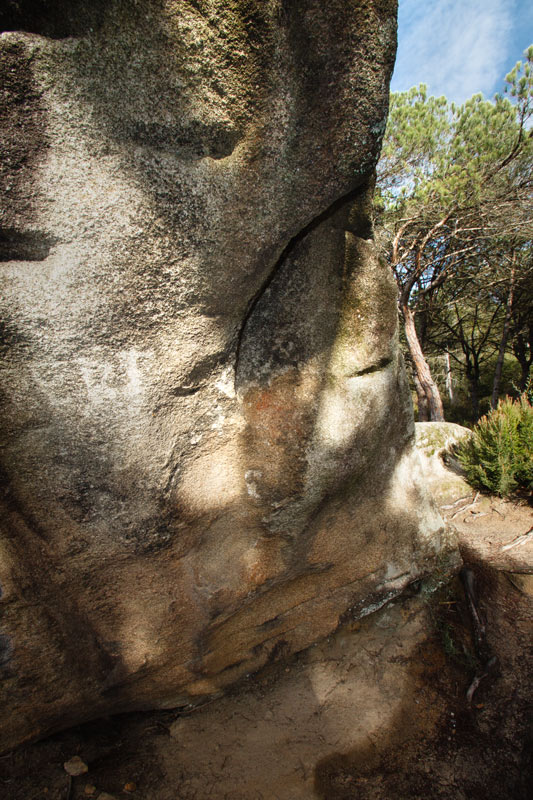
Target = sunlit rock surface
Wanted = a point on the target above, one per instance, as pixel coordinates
(435, 442)
(207, 439)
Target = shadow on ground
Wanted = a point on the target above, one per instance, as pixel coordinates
(376, 711)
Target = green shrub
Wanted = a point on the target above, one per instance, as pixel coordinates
(498, 457)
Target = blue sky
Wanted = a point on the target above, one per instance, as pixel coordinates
(460, 47)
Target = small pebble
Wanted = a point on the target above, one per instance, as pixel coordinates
(75, 766)
(130, 786)
(89, 789)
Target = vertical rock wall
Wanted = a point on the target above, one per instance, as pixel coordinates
(206, 440)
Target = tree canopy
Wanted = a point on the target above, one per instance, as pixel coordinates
(454, 205)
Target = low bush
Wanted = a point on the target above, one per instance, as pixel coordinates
(498, 457)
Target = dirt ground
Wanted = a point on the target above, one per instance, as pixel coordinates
(377, 711)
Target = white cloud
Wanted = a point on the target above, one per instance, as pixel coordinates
(456, 47)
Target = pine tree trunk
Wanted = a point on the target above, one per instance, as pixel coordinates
(521, 351)
(503, 341)
(473, 390)
(422, 401)
(525, 369)
(449, 381)
(423, 372)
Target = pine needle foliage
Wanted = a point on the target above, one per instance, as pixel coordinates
(498, 457)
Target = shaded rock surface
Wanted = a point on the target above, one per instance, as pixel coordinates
(207, 439)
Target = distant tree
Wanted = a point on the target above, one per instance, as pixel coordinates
(521, 323)
(454, 199)
(470, 324)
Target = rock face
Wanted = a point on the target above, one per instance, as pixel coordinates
(442, 471)
(207, 445)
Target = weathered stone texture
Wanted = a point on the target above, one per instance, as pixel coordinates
(442, 472)
(206, 433)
